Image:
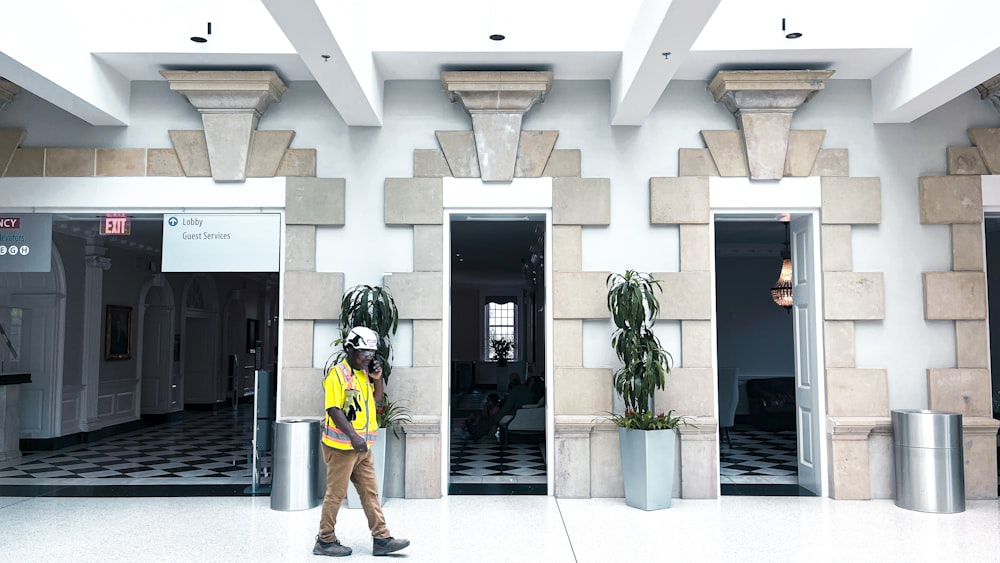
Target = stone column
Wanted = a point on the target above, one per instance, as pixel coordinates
(763, 102)
(230, 104)
(990, 90)
(93, 343)
(497, 101)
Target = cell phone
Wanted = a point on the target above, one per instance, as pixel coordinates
(373, 365)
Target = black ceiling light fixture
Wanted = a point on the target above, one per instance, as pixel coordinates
(498, 37)
(792, 35)
(198, 39)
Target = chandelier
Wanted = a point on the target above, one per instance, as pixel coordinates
(781, 293)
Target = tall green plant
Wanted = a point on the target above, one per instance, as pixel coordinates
(372, 307)
(634, 306)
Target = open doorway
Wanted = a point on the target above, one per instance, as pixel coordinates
(497, 401)
(768, 360)
(992, 232)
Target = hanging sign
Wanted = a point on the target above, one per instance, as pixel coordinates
(208, 242)
(25, 243)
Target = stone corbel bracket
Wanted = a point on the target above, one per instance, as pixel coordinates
(230, 104)
(990, 90)
(763, 102)
(8, 90)
(497, 102)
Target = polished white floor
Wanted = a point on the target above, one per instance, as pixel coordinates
(500, 528)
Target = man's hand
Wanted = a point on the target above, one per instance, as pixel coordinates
(358, 443)
(374, 370)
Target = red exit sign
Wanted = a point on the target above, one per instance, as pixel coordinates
(10, 222)
(116, 224)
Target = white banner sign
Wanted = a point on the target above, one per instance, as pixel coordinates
(206, 242)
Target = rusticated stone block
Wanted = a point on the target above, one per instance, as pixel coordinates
(803, 146)
(686, 295)
(414, 201)
(420, 386)
(423, 457)
(27, 163)
(967, 247)
(298, 392)
(121, 162)
(678, 200)
(572, 457)
(563, 163)
(987, 140)
(533, 152)
(728, 152)
(972, 344)
(979, 440)
(266, 152)
(606, 463)
(857, 392)
(581, 201)
(313, 295)
(430, 163)
(838, 342)
(580, 295)
(831, 162)
(851, 200)
(689, 391)
(694, 248)
(966, 161)
(300, 248)
(838, 254)
(965, 391)
(699, 458)
(427, 338)
(315, 201)
(567, 248)
(849, 296)
(954, 296)
(850, 470)
(951, 199)
(567, 336)
(297, 162)
(696, 344)
(696, 162)
(70, 162)
(163, 162)
(582, 391)
(417, 294)
(192, 152)
(428, 248)
(459, 148)
(297, 343)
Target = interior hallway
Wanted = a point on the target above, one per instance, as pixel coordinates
(500, 528)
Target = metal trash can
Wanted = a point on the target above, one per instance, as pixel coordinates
(299, 478)
(930, 466)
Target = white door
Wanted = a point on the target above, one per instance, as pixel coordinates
(157, 353)
(808, 399)
(40, 399)
(198, 357)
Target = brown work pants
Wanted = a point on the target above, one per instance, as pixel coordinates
(343, 466)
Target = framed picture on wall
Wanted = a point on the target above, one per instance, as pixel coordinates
(118, 333)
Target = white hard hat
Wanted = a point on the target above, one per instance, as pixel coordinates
(362, 338)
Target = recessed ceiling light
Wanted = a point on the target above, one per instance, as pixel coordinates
(497, 37)
(199, 40)
(794, 35)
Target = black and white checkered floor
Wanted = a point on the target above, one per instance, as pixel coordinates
(758, 457)
(486, 461)
(203, 448)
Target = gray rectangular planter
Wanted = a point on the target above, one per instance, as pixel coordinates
(648, 467)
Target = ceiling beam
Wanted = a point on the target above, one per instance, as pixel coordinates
(345, 70)
(644, 71)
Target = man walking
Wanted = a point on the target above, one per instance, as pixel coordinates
(352, 388)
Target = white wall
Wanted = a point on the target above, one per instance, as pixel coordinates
(901, 247)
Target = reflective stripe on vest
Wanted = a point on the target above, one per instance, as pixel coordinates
(330, 430)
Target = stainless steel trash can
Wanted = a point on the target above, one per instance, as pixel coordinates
(299, 478)
(930, 466)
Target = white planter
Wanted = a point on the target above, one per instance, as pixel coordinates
(378, 457)
(648, 467)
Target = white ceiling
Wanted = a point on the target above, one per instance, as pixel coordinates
(83, 56)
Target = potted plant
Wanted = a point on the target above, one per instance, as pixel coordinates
(373, 307)
(647, 440)
(502, 348)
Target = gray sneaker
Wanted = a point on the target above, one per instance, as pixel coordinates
(331, 548)
(383, 546)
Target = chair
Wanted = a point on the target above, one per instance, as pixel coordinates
(528, 419)
(729, 396)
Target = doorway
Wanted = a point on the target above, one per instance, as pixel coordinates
(497, 398)
(992, 242)
(768, 357)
